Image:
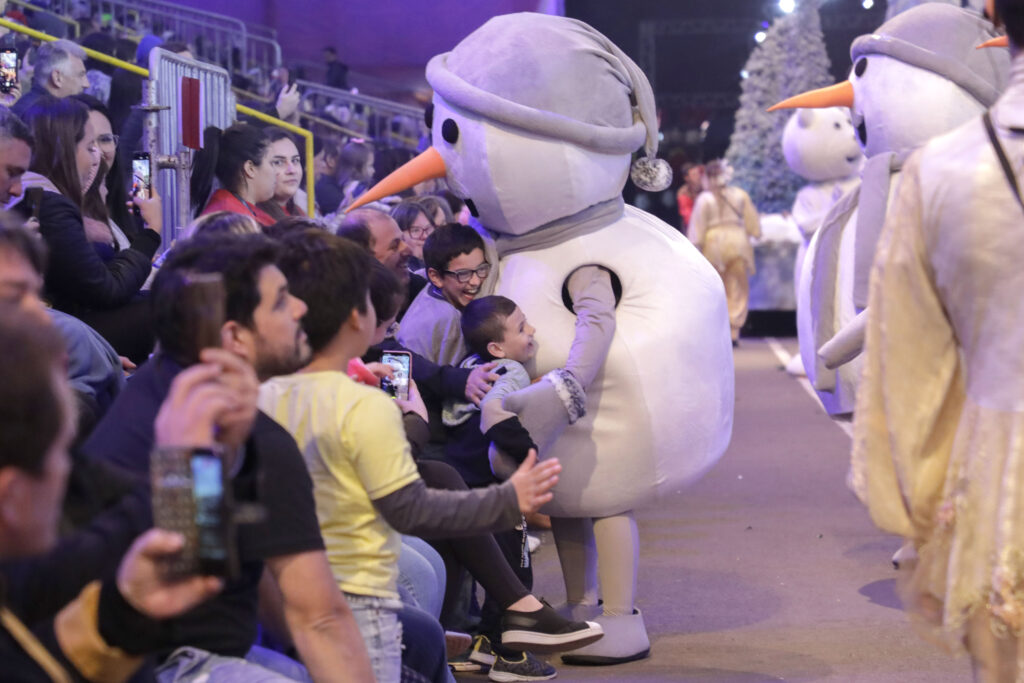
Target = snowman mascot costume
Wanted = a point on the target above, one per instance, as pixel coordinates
(534, 122)
(820, 146)
(918, 76)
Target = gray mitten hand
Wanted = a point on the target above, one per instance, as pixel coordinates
(542, 410)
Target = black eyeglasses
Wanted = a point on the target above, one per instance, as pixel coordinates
(464, 275)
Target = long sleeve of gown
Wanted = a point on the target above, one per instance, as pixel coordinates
(911, 392)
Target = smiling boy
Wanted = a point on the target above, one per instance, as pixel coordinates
(457, 268)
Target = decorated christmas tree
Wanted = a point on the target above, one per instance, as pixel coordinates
(790, 60)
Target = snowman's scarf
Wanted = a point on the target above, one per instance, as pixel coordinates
(562, 230)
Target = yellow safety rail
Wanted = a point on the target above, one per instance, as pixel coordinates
(247, 111)
(76, 27)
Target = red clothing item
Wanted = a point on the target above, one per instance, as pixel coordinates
(223, 200)
(685, 204)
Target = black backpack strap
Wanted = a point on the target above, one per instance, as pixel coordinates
(1011, 177)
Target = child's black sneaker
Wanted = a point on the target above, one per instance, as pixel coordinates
(481, 652)
(528, 668)
(545, 630)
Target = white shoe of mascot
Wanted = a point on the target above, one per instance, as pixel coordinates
(534, 122)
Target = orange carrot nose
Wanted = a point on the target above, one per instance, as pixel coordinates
(1001, 41)
(838, 95)
(426, 166)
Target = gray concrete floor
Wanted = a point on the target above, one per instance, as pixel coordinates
(768, 569)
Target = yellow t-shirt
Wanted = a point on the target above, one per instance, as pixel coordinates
(352, 438)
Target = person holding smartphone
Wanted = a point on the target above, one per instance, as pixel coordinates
(104, 294)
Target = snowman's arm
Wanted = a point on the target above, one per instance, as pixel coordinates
(547, 407)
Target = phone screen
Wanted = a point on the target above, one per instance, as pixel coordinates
(208, 493)
(398, 384)
(8, 70)
(140, 177)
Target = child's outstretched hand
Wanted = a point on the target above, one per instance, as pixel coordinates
(533, 482)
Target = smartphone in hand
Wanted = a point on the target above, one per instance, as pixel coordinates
(142, 175)
(8, 70)
(397, 385)
(191, 495)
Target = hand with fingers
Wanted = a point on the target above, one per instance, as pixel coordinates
(480, 381)
(144, 585)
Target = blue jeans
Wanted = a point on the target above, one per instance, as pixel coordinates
(259, 666)
(377, 619)
(421, 576)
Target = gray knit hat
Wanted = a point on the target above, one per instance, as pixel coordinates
(942, 39)
(554, 77)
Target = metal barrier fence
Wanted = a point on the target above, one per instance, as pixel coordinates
(305, 134)
(217, 38)
(399, 125)
(163, 134)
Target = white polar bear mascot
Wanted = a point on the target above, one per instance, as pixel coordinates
(918, 76)
(820, 146)
(535, 119)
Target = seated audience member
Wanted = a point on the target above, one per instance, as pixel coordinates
(293, 224)
(495, 329)
(481, 555)
(387, 245)
(94, 368)
(95, 635)
(222, 223)
(457, 268)
(349, 177)
(366, 484)
(126, 86)
(107, 218)
(417, 217)
(239, 159)
(104, 294)
(262, 327)
(58, 71)
(284, 157)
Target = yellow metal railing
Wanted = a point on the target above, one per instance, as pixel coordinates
(247, 111)
(75, 26)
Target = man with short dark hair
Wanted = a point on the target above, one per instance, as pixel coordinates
(262, 326)
(337, 73)
(59, 71)
(36, 428)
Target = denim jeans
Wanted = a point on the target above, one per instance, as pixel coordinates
(192, 665)
(377, 619)
(421, 576)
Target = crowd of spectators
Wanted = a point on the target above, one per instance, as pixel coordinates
(365, 520)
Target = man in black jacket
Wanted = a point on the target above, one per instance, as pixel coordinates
(36, 428)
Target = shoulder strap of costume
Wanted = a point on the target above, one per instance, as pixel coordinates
(1011, 177)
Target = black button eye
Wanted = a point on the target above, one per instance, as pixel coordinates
(428, 115)
(450, 131)
(860, 67)
(837, 125)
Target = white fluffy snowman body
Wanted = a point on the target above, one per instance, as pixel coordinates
(659, 414)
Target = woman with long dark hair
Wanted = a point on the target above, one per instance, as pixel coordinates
(237, 158)
(104, 294)
(105, 202)
(287, 162)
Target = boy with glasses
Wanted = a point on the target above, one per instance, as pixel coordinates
(456, 268)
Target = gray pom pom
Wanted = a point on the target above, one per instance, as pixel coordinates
(651, 174)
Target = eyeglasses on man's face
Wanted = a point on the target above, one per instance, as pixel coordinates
(466, 274)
